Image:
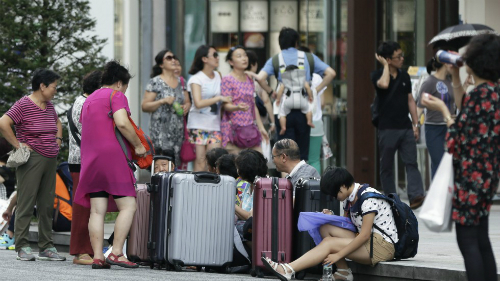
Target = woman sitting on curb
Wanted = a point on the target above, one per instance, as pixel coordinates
(338, 243)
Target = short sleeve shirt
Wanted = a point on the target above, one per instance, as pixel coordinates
(383, 216)
(394, 112)
(290, 57)
(206, 118)
(440, 89)
(35, 126)
(247, 197)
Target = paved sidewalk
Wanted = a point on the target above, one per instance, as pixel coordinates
(438, 257)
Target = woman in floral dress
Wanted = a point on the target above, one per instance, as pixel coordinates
(168, 104)
(474, 141)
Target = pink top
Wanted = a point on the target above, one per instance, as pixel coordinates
(104, 166)
(241, 92)
(35, 126)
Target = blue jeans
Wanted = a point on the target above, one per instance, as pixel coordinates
(434, 139)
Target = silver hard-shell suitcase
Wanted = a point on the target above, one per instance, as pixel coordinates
(200, 222)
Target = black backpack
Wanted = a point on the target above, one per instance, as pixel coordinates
(404, 218)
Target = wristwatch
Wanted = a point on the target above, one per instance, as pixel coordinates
(59, 138)
(416, 125)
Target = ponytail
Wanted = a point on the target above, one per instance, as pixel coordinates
(155, 71)
(433, 65)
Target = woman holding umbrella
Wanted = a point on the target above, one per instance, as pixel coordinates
(474, 141)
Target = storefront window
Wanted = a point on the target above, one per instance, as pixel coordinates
(195, 16)
(399, 25)
(254, 27)
(312, 25)
(335, 110)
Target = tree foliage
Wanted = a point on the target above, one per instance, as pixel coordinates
(49, 34)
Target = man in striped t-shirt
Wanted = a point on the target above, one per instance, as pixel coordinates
(37, 127)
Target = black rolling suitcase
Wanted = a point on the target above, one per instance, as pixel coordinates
(157, 237)
(308, 198)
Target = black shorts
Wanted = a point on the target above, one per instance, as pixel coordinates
(103, 194)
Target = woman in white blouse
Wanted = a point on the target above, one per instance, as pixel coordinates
(205, 113)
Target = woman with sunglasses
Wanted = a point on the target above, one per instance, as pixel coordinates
(241, 112)
(204, 115)
(168, 104)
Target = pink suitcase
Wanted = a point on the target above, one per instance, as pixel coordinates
(137, 242)
(272, 222)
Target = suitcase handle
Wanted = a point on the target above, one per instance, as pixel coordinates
(206, 177)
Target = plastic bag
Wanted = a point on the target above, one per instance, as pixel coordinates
(436, 210)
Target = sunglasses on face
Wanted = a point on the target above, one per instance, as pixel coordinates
(215, 55)
(169, 58)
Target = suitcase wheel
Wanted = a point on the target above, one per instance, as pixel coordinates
(152, 265)
(252, 273)
(300, 275)
(259, 273)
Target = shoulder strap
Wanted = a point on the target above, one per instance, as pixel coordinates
(310, 60)
(300, 59)
(72, 127)
(118, 135)
(393, 90)
(282, 65)
(276, 65)
(367, 195)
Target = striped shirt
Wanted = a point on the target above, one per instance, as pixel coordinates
(35, 126)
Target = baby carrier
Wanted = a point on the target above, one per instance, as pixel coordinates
(294, 81)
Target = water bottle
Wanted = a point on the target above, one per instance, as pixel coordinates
(178, 108)
(446, 57)
(327, 273)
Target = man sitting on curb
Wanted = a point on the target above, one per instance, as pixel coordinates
(286, 157)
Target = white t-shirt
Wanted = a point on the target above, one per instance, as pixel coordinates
(383, 218)
(317, 118)
(206, 118)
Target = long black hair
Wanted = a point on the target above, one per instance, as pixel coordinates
(433, 65)
(198, 64)
(156, 70)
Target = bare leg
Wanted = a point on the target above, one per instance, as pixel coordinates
(309, 119)
(283, 125)
(127, 207)
(330, 245)
(200, 161)
(232, 149)
(328, 230)
(98, 207)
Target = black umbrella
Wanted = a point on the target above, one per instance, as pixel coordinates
(459, 35)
